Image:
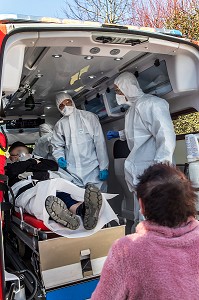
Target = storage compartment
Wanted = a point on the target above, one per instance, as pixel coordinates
(64, 260)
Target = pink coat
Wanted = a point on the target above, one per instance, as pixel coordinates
(155, 263)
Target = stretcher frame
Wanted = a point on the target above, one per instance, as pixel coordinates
(42, 242)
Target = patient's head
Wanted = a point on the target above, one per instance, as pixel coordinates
(17, 149)
(166, 196)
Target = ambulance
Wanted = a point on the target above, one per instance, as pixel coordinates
(40, 57)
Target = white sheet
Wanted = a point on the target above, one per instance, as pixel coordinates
(33, 202)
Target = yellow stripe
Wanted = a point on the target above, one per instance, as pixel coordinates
(2, 152)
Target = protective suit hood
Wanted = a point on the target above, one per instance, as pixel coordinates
(45, 129)
(129, 86)
(60, 97)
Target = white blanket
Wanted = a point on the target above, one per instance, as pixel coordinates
(33, 202)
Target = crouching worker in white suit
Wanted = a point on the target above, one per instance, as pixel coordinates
(25, 176)
(78, 144)
(148, 130)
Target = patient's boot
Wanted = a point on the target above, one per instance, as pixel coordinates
(59, 212)
(92, 205)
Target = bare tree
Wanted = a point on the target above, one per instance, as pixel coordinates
(171, 14)
(105, 11)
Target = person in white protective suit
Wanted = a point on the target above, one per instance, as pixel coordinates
(43, 146)
(148, 130)
(79, 145)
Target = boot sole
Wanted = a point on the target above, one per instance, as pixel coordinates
(59, 212)
(93, 204)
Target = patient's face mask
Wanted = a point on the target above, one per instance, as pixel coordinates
(67, 110)
(24, 156)
(121, 99)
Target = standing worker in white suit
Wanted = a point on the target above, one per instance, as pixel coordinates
(79, 145)
(148, 130)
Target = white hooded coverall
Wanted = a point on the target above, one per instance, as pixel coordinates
(148, 129)
(79, 139)
(43, 144)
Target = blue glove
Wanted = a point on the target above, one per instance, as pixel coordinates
(62, 162)
(103, 175)
(112, 134)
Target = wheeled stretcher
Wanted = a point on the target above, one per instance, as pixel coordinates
(66, 268)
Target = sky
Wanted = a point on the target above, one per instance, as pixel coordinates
(49, 8)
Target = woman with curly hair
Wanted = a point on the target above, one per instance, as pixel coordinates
(161, 260)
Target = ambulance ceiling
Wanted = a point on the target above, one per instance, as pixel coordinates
(84, 64)
(48, 70)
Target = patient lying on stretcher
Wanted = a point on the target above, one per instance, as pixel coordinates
(25, 173)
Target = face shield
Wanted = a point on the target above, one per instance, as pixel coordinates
(24, 156)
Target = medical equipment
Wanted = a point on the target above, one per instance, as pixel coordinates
(192, 144)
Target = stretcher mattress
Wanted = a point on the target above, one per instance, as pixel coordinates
(31, 220)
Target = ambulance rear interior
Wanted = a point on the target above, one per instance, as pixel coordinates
(83, 62)
(39, 60)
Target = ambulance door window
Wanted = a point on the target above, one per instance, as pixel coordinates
(185, 122)
(97, 107)
(155, 80)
